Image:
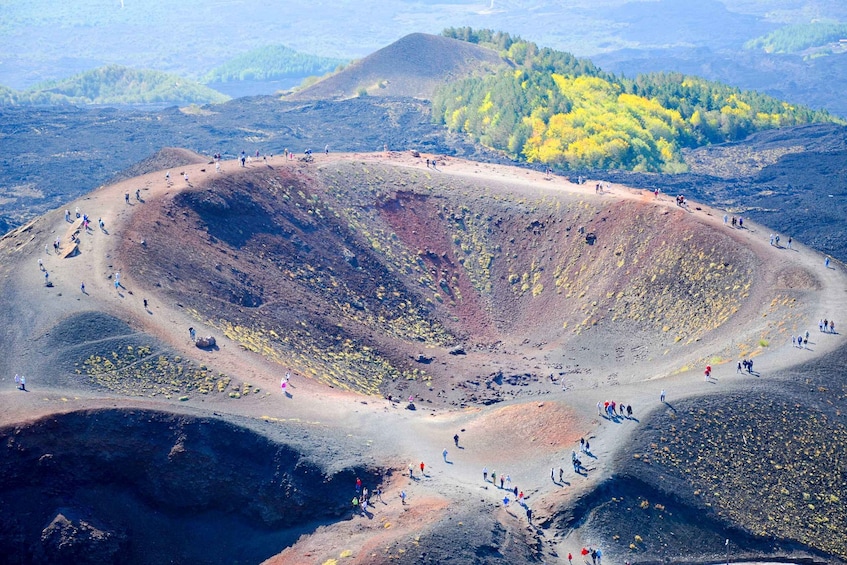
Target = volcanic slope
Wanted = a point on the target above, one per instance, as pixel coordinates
(414, 65)
(365, 275)
(369, 275)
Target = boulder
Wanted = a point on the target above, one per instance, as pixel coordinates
(205, 342)
(74, 540)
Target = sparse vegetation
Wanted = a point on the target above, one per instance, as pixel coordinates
(140, 371)
(767, 462)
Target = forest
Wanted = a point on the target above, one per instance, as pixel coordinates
(114, 84)
(271, 63)
(799, 37)
(556, 109)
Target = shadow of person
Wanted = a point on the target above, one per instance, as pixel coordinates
(288, 394)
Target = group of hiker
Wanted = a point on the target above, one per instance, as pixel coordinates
(362, 499)
(506, 485)
(613, 410)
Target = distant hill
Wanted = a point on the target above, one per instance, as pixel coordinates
(114, 84)
(800, 37)
(415, 65)
(272, 62)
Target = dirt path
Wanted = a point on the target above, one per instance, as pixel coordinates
(523, 439)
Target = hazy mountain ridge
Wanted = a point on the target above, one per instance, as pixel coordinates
(115, 85)
(50, 41)
(270, 63)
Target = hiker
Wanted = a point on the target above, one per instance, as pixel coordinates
(192, 334)
(403, 497)
(506, 501)
(23, 383)
(444, 454)
(358, 484)
(456, 440)
(789, 242)
(826, 262)
(326, 149)
(501, 481)
(411, 471)
(145, 304)
(422, 467)
(832, 326)
(126, 197)
(629, 411)
(355, 502)
(82, 287)
(561, 475)
(168, 177)
(485, 474)
(662, 396)
(17, 381)
(138, 194)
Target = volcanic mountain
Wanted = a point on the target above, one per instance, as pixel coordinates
(367, 309)
(414, 66)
